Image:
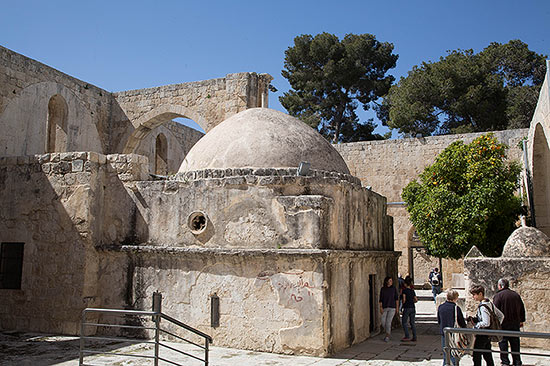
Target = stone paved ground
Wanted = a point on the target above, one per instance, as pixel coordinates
(17, 349)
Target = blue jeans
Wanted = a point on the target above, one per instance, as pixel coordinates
(408, 317)
(387, 317)
(436, 290)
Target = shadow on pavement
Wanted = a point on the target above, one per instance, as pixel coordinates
(45, 349)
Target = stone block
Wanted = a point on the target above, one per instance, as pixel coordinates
(66, 156)
(126, 177)
(80, 155)
(133, 158)
(55, 157)
(77, 165)
(43, 158)
(69, 179)
(234, 181)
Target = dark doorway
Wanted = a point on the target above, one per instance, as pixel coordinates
(372, 302)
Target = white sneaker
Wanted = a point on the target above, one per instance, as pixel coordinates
(386, 339)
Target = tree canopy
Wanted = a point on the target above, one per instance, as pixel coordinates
(494, 89)
(465, 198)
(330, 78)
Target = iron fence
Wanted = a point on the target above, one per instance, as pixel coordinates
(490, 332)
(156, 317)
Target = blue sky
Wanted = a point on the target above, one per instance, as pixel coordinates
(121, 45)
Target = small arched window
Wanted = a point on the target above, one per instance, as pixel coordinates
(161, 155)
(56, 139)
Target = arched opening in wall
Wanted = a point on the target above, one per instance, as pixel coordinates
(56, 139)
(541, 180)
(420, 263)
(179, 138)
(189, 123)
(161, 155)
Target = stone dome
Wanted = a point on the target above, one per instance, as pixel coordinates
(263, 138)
(527, 242)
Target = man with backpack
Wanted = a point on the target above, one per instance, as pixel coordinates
(511, 304)
(436, 281)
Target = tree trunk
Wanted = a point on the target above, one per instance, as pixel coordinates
(337, 123)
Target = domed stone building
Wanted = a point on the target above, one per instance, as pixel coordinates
(294, 255)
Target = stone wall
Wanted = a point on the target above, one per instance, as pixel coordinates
(285, 301)
(53, 203)
(527, 276)
(388, 166)
(26, 89)
(187, 136)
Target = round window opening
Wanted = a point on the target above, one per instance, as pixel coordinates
(197, 222)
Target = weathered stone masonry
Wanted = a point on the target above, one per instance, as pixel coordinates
(90, 241)
(53, 203)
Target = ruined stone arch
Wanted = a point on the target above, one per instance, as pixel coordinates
(541, 179)
(157, 117)
(56, 130)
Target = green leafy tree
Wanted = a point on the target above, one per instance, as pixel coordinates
(464, 92)
(330, 78)
(465, 198)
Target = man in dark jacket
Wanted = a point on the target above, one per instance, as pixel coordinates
(511, 305)
(446, 318)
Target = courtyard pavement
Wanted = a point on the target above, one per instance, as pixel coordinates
(22, 349)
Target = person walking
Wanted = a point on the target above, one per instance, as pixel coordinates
(389, 302)
(511, 305)
(446, 318)
(482, 320)
(409, 311)
(436, 281)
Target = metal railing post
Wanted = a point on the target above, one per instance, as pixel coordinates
(206, 351)
(157, 307)
(81, 356)
(447, 349)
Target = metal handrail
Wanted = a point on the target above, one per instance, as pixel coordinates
(490, 332)
(156, 317)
